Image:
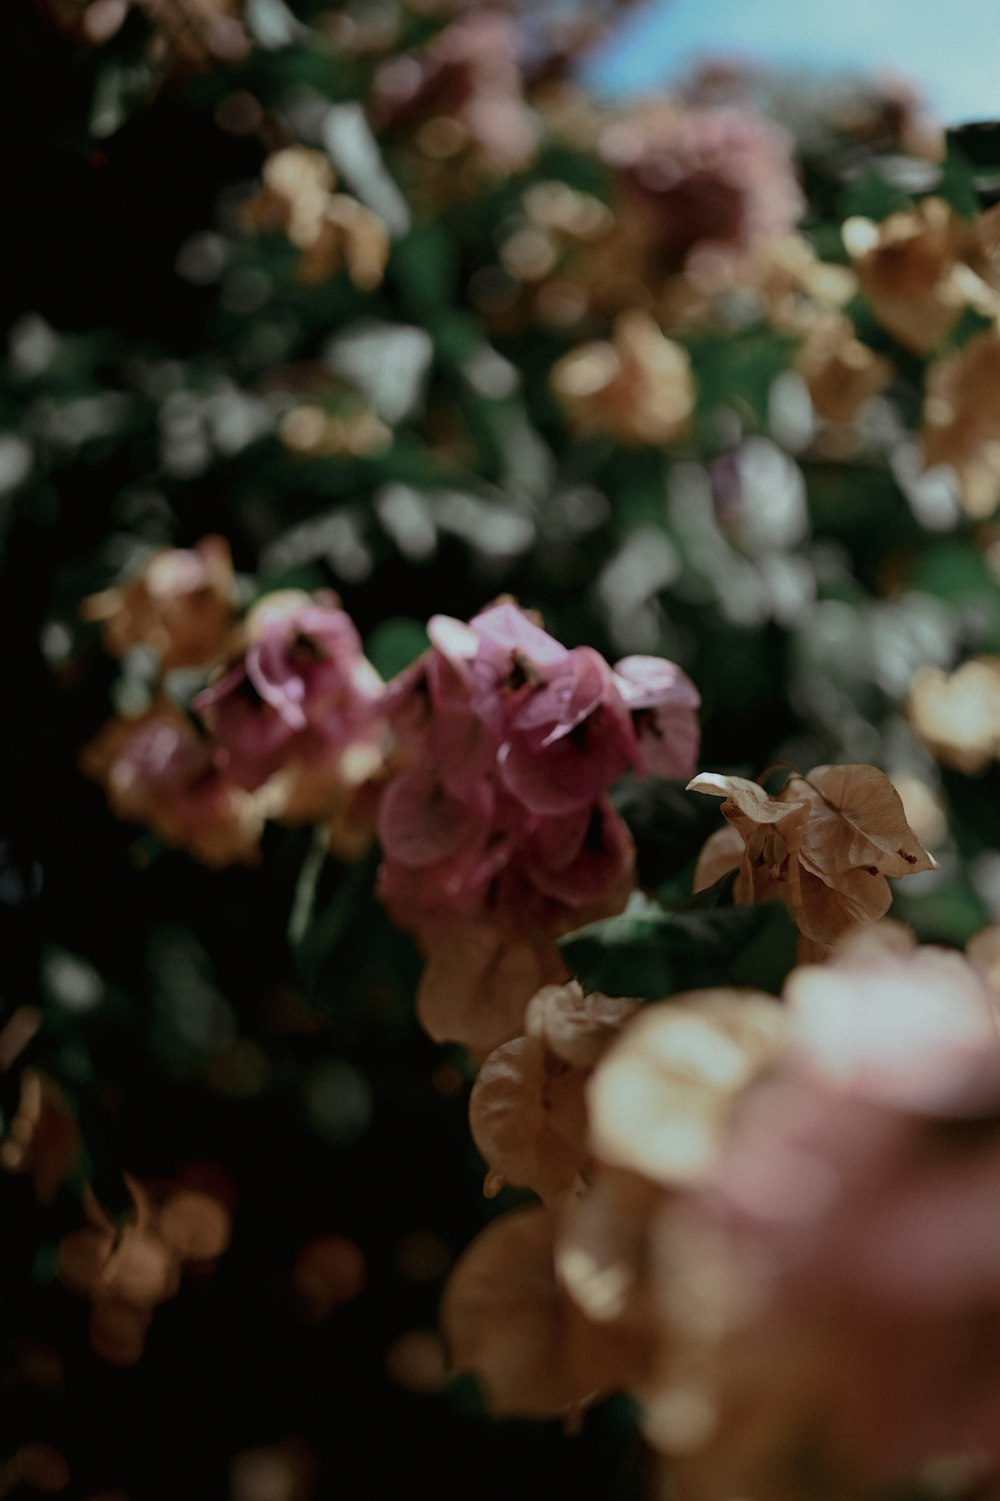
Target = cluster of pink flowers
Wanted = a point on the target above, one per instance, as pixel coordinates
(464, 90)
(289, 730)
(510, 741)
(301, 692)
(696, 178)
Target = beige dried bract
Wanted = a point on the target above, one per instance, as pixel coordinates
(957, 715)
(218, 821)
(577, 1026)
(907, 269)
(859, 821)
(842, 374)
(824, 844)
(637, 387)
(983, 951)
(351, 236)
(528, 1106)
(127, 1269)
(720, 854)
(528, 1118)
(916, 1028)
(330, 229)
(961, 423)
(43, 1139)
(660, 1100)
(180, 606)
(508, 1320)
(602, 1255)
(477, 983)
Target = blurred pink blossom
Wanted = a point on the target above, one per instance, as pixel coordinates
(509, 742)
(301, 691)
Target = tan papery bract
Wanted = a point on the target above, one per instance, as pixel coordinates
(842, 374)
(983, 951)
(957, 715)
(823, 1299)
(660, 1100)
(127, 1269)
(222, 831)
(601, 1257)
(43, 1138)
(477, 983)
(330, 229)
(528, 1111)
(528, 1118)
(721, 853)
(180, 606)
(961, 424)
(824, 844)
(907, 269)
(577, 1025)
(638, 387)
(508, 1320)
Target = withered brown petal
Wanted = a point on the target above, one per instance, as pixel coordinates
(575, 1025)
(476, 986)
(508, 1321)
(745, 797)
(720, 854)
(142, 1270)
(660, 1099)
(528, 1118)
(825, 905)
(875, 830)
(194, 1225)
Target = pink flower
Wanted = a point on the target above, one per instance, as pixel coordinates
(160, 771)
(856, 1205)
(422, 823)
(509, 742)
(302, 690)
(513, 658)
(428, 899)
(664, 704)
(569, 738)
(470, 74)
(581, 857)
(703, 178)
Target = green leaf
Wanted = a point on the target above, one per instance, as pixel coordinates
(978, 141)
(949, 913)
(968, 326)
(651, 954)
(424, 269)
(956, 572)
(669, 824)
(957, 183)
(319, 928)
(872, 195)
(738, 372)
(394, 644)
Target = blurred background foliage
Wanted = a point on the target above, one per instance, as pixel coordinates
(497, 360)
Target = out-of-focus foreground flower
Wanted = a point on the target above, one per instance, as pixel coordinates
(289, 728)
(786, 1243)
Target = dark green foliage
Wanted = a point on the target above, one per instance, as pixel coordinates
(651, 954)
